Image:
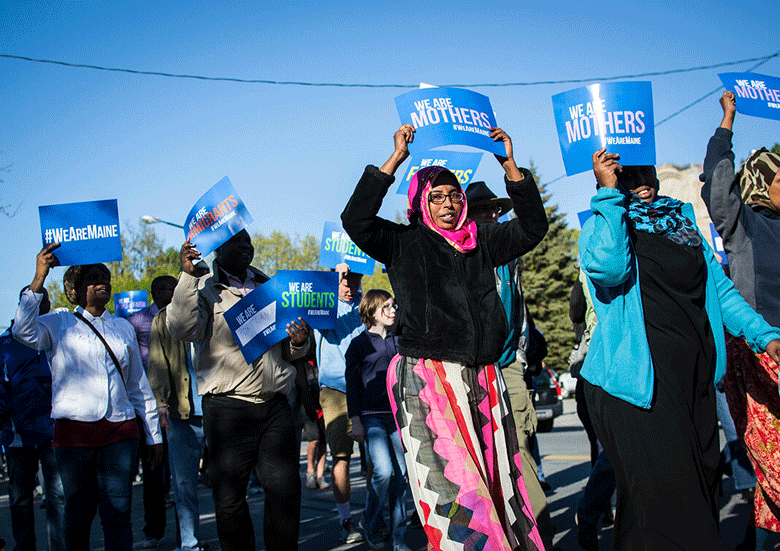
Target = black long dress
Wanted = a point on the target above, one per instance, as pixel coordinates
(666, 457)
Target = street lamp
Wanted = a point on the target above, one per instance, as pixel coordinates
(146, 219)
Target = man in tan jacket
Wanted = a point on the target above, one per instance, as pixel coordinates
(246, 415)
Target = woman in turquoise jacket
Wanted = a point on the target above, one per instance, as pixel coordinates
(662, 301)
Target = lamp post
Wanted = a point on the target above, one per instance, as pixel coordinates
(146, 219)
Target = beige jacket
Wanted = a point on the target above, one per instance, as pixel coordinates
(167, 369)
(196, 314)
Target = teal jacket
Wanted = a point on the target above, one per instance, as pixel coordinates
(619, 358)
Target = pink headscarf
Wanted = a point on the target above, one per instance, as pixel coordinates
(464, 236)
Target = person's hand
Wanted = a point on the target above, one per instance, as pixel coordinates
(342, 269)
(165, 419)
(298, 332)
(358, 433)
(44, 262)
(401, 140)
(606, 167)
(188, 255)
(729, 103)
(773, 349)
(508, 163)
(154, 455)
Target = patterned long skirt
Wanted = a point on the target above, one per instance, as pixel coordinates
(462, 455)
(752, 394)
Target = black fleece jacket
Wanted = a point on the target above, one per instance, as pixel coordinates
(449, 308)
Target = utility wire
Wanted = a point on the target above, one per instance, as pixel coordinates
(708, 94)
(762, 60)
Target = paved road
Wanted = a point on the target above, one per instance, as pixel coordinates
(566, 466)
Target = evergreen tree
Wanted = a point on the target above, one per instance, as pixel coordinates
(549, 271)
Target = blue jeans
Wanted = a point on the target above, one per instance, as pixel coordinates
(22, 468)
(185, 444)
(389, 482)
(93, 479)
(733, 456)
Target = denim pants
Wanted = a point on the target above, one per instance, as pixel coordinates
(389, 482)
(185, 443)
(22, 468)
(241, 435)
(733, 456)
(98, 479)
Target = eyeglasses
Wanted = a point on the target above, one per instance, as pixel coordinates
(387, 308)
(439, 198)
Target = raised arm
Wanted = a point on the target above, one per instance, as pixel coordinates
(605, 246)
(720, 190)
(27, 329)
(376, 236)
(188, 315)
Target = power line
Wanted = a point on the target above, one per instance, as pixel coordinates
(762, 60)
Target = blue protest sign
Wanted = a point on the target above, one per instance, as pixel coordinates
(448, 116)
(310, 295)
(258, 320)
(88, 232)
(462, 164)
(615, 115)
(217, 216)
(717, 245)
(129, 302)
(757, 95)
(338, 247)
(583, 216)
(253, 322)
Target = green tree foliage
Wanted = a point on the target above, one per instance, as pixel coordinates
(776, 148)
(279, 251)
(549, 271)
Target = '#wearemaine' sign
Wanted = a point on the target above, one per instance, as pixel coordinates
(258, 321)
(615, 115)
(217, 216)
(88, 232)
(337, 247)
(449, 116)
(757, 95)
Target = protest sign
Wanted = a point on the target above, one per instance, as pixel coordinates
(448, 116)
(258, 320)
(757, 95)
(217, 216)
(129, 302)
(615, 115)
(88, 232)
(462, 164)
(338, 247)
(717, 245)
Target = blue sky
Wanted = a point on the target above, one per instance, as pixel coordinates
(294, 153)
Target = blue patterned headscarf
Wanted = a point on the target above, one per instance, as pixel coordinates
(663, 216)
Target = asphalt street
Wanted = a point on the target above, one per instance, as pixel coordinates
(566, 466)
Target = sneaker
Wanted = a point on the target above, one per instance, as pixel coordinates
(587, 535)
(151, 543)
(608, 518)
(401, 547)
(321, 484)
(349, 534)
(311, 481)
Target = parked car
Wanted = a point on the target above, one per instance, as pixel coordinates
(547, 400)
(568, 383)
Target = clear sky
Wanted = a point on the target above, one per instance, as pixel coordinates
(294, 153)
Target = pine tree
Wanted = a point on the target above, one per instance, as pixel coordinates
(549, 271)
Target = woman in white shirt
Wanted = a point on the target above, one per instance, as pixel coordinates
(98, 389)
